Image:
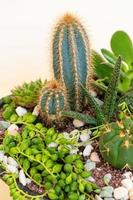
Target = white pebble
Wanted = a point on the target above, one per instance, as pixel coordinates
(89, 165)
(85, 135)
(5, 160)
(87, 150)
(12, 169)
(97, 197)
(94, 157)
(22, 178)
(107, 192)
(1, 156)
(36, 111)
(77, 123)
(4, 124)
(21, 111)
(127, 183)
(12, 162)
(53, 144)
(120, 193)
(13, 129)
(91, 179)
(110, 198)
(127, 175)
(66, 135)
(93, 93)
(107, 178)
(74, 151)
(28, 181)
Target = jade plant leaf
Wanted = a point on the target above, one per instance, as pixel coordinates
(122, 45)
(110, 57)
(101, 68)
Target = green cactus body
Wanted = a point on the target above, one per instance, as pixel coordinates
(116, 144)
(52, 101)
(71, 59)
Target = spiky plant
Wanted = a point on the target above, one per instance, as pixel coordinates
(53, 101)
(71, 59)
(116, 144)
(27, 94)
(105, 113)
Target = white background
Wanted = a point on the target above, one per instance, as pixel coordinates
(26, 27)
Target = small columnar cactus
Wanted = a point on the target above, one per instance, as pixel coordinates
(27, 94)
(116, 144)
(52, 101)
(71, 59)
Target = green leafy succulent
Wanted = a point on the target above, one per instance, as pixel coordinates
(121, 44)
(27, 94)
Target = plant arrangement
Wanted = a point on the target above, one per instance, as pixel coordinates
(71, 137)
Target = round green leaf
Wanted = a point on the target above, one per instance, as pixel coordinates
(121, 44)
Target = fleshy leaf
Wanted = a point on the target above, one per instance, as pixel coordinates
(121, 44)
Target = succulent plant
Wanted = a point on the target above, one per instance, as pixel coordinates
(27, 94)
(116, 143)
(106, 112)
(71, 59)
(121, 44)
(52, 101)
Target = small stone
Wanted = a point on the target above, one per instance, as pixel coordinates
(5, 160)
(22, 178)
(12, 162)
(87, 150)
(74, 151)
(127, 175)
(127, 183)
(21, 111)
(120, 193)
(85, 135)
(12, 169)
(1, 156)
(66, 135)
(107, 192)
(94, 157)
(97, 197)
(53, 144)
(36, 111)
(93, 93)
(77, 123)
(131, 194)
(4, 125)
(107, 178)
(90, 165)
(13, 129)
(28, 181)
(91, 179)
(99, 101)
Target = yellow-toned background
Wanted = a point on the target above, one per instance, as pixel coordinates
(25, 34)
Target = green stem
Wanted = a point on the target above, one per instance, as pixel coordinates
(39, 163)
(25, 194)
(33, 129)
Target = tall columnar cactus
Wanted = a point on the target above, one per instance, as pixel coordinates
(116, 144)
(52, 101)
(71, 59)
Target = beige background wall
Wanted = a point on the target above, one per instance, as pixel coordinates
(25, 34)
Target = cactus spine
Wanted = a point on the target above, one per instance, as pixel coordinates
(71, 59)
(52, 101)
